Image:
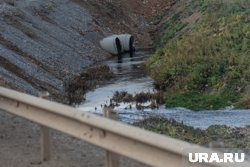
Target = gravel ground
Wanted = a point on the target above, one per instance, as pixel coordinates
(19, 147)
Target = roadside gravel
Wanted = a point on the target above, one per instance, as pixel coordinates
(20, 147)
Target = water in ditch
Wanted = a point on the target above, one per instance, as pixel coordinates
(131, 79)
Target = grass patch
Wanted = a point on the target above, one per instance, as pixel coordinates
(216, 134)
(174, 129)
(176, 23)
(198, 101)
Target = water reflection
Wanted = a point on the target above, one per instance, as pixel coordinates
(119, 68)
(119, 61)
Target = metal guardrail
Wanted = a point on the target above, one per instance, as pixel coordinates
(143, 146)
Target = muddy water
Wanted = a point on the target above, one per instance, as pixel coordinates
(132, 80)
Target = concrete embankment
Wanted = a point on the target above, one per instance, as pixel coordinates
(43, 43)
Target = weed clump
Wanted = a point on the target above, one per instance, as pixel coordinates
(77, 87)
(140, 98)
(122, 96)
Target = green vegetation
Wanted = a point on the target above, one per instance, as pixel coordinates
(174, 129)
(230, 137)
(175, 22)
(197, 101)
(207, 67)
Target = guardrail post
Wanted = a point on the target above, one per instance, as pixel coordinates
(45, 143)
(45, 135)
(112, 159)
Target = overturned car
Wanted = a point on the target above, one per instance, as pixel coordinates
(119, 44)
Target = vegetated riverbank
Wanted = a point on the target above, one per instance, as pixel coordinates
(215, 136)
(202, 60)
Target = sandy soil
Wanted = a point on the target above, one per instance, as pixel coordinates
(20, 147)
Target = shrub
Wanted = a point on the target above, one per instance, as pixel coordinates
(212, 59)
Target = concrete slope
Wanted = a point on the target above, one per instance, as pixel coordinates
(45, 42)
